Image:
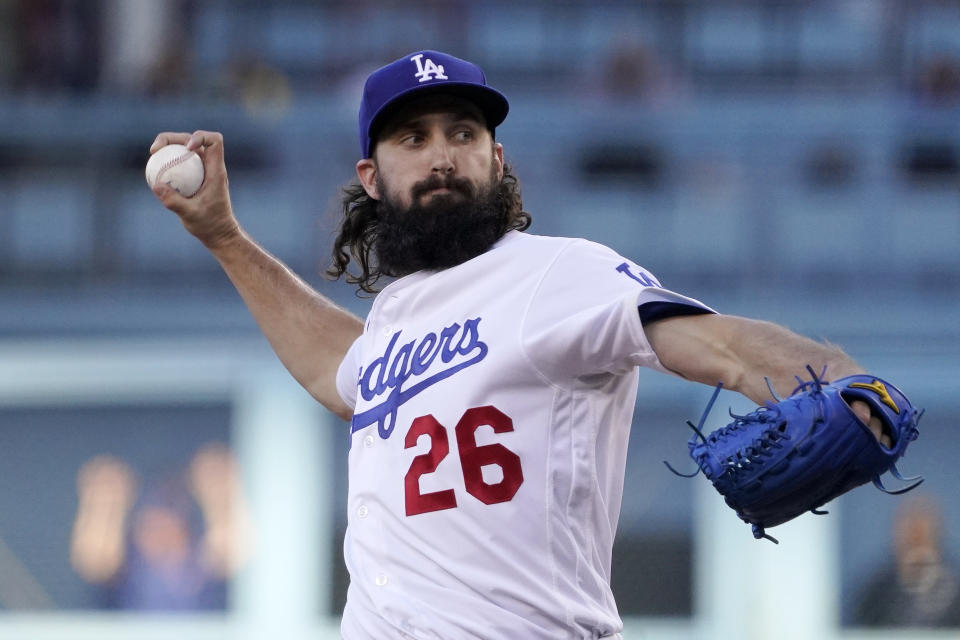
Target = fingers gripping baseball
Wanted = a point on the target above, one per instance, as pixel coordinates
(208, 215)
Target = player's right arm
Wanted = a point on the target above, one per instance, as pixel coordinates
(308, 332)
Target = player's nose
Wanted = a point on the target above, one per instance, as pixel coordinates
(442, 158)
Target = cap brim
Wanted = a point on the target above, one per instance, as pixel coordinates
(491, 103)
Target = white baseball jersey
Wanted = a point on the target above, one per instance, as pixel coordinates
(493, 402)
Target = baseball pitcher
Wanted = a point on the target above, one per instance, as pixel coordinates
(490, 388)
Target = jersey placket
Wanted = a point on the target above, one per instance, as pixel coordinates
(371, 460)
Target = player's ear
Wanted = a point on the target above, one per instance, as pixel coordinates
(498, 159)
(367, 174)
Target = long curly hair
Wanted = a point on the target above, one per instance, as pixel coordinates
(359, 230)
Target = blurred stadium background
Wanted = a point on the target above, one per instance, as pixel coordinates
(791, 160)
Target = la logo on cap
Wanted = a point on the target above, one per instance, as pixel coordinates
(427, 69)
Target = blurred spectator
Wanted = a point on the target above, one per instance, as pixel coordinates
(9, 42)
(262, 89)
(631, 70)
(146, 49)
(151, 553)
(829, 165)
(58, 46)
(938, 83)
(921, 587)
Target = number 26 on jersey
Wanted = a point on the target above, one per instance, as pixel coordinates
(473, 458)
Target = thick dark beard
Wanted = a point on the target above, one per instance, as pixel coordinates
(446, 231)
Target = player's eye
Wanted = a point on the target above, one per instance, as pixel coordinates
(411, 139)
(464, 135)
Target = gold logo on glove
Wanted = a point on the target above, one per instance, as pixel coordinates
(878, 388)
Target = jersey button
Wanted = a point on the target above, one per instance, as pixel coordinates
(368, 442)
(381, 580)
(387, 331)
(362, 511)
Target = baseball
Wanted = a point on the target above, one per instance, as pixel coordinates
(176, 166)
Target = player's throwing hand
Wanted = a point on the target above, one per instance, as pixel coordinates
(208, 215)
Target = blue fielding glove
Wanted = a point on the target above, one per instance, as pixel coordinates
(796, 455)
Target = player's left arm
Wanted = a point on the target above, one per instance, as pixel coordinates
(742, 353)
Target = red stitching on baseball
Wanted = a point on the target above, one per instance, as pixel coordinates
(172, 163)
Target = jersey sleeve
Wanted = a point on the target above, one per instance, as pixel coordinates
(348, 374)
(587, 314)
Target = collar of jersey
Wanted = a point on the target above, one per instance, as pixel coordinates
(400, 283)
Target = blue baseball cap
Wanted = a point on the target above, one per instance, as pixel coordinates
(419, 73)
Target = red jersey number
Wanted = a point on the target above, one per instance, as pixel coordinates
(473, 458)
